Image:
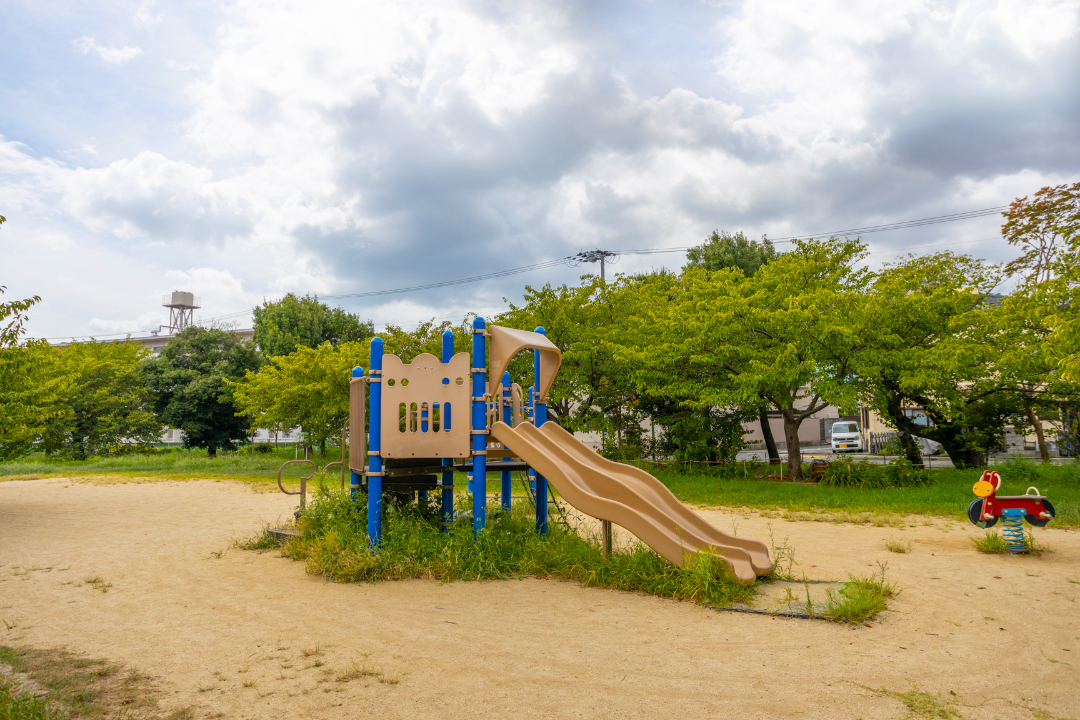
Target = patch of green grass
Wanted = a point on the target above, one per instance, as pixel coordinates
(24, 706)
(924, 704)
(176, 463)
(990, 542)
(92, 689)
(334, 543)
(949, 495)
(263, 541)
(861, 598)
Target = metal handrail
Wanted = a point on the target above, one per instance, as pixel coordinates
(330, 465)
(302, 492)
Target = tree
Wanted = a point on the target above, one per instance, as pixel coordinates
(927, 331)
(30, 396)
(104, 402)
(291, 322)
(592, 391)
(1046, 228)
(723, 250)
(722, 338)
(188, 382)
(308, 389)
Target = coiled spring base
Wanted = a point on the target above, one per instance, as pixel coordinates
(1012, 531)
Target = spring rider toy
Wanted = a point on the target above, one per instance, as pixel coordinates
(986, 510)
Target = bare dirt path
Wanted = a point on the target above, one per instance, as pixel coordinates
(251, 635)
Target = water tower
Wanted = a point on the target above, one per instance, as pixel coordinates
(181, 309)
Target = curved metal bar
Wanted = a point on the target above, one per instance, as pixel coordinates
(302, 492)
(330, 465)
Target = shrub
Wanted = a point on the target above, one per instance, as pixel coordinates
(899, 473)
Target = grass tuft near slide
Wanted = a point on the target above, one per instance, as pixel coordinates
(333, 542)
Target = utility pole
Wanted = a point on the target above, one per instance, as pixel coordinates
(594, 256)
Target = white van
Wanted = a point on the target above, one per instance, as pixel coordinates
(845, 437)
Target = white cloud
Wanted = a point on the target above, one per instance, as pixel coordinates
(89, 149)
(156, 198)
(145, 322)
(111, 55)
(144, 15)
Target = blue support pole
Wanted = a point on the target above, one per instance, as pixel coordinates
(530, 416)
(355, 477)
(375, 463)
(506, 418)
(479, 426)
(447, 475)
(539, 418)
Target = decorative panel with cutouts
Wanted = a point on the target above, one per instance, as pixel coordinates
(426, 407)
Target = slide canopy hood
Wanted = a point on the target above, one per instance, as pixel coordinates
(504, 343)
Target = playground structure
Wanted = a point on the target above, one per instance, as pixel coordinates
(431, 418)
(986, 510)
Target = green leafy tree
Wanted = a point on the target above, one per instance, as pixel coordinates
(593, 391)
(31, 396)
(724, 250)
(720, 338)
(188, 382)
(1047, 230)
(928, 333)
(308, 389)
(426, 338)
(283, 325)
(104, 405)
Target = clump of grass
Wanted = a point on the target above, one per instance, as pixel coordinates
(861, 598)
(924, 704)
(898, 546)
(356, 671)
(98, 583)
(334, 543)
(25, 706)
(1035, 547)
(990, 542)
(263, 541)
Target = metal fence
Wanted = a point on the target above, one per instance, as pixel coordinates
(878, 440)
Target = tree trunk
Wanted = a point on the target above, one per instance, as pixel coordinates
(911, 448)
(794, 451)
(1044, 452)
(766, 432)
(961, 456)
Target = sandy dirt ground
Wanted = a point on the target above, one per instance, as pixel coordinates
(235, 632)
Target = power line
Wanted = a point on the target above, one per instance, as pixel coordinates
(611, 256)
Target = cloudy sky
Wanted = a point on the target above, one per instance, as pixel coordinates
(241, 150)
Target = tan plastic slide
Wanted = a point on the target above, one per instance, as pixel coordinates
(630, 498)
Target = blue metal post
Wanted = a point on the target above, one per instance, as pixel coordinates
(530, 416)
(354, 477)
(479, 426)
(375, 463)
(539, 418)
(506, 418)
(447, 475)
